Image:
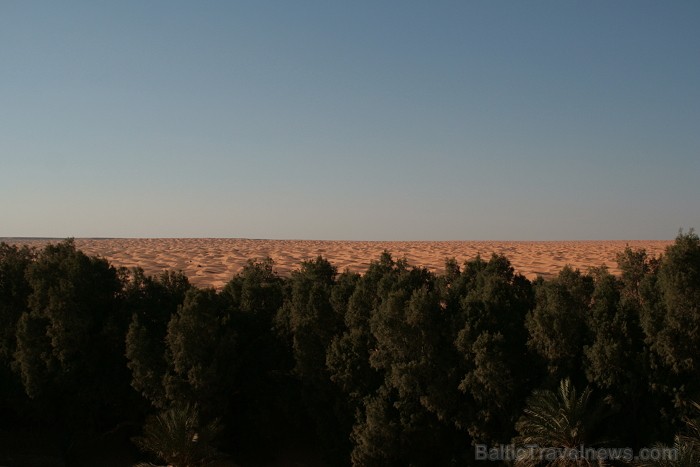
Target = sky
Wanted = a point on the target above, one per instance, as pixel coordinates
(361, 120)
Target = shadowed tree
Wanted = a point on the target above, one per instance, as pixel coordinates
(202, 354)
(398, 431)
(412, 350)
(347, 357)
(348, 353)
(616, 360)
(308, 322)
(14, 296)
(151, 302)
(378, 437)
(558, 324)
(260, 412)
(309, 319)
(414, 357)
(257, 291)
(635, 269)
(70, 342)
(671, 320)
(495, 374)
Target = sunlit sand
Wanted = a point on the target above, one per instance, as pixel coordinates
(211, 262)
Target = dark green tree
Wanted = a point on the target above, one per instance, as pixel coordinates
(257, 290)
(414, 355)
(308, 322)
(347, 356)
(70, 341)
(398, 431)
(151, 302)
(395, 361)
(263, 407)
(557, 326)
(202, 354)
(14, 296)
(309, 319)
(616, 360)
(670, 319)
(495, 374)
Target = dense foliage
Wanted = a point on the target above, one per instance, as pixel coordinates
(396, 366)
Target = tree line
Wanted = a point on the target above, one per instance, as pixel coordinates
(395, 366)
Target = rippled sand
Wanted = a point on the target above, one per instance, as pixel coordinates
(211, 262)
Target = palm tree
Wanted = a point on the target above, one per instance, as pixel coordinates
(176, 437)
(555, 426)
(682, 454)
(686, 446)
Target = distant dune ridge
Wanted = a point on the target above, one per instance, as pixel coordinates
(211, 262)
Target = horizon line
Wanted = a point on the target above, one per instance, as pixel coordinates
(61, 238)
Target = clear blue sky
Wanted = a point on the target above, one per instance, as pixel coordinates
(377, 120)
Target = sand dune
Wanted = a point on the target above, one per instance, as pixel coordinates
(211, 262)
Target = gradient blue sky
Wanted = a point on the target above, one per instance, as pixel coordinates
(377, 120)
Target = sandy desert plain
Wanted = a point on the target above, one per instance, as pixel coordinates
(211, 262)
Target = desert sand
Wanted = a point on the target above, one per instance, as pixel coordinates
(211, 262)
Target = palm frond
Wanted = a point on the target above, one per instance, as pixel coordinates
(561, 420)
(176, 437)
